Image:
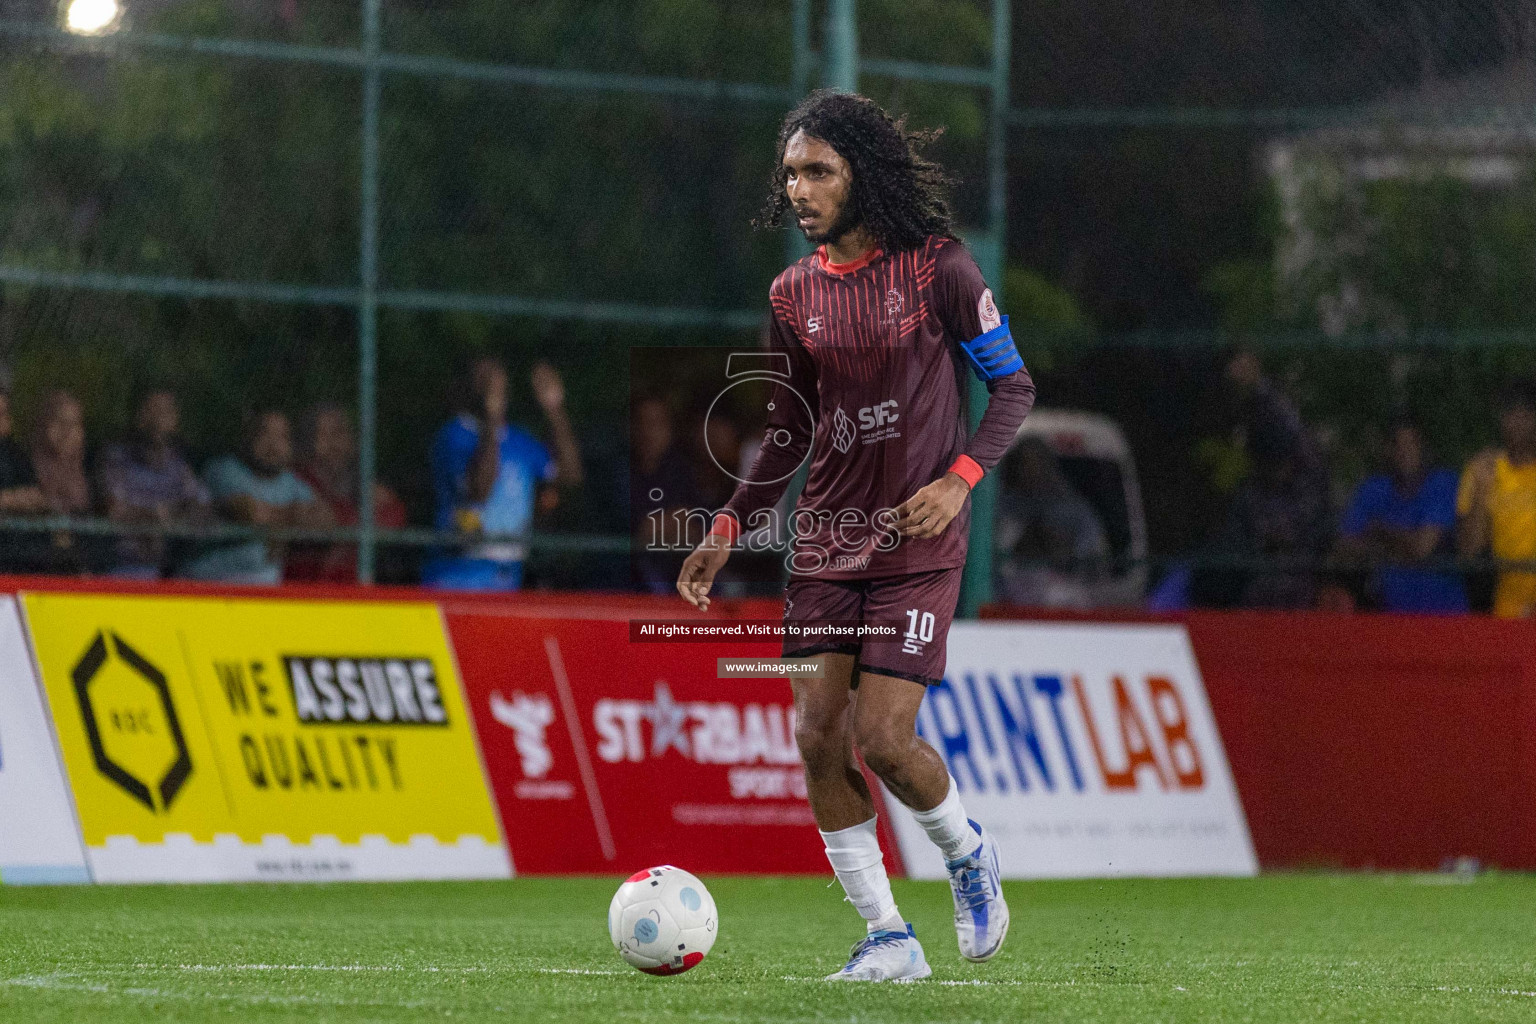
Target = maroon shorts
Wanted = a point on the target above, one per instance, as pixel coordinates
(921, 605)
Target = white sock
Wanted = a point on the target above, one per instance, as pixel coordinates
(859, 865)
(948, 826)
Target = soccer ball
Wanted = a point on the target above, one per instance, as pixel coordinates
(662, 920)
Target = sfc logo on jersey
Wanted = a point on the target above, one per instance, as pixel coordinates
(813, 324)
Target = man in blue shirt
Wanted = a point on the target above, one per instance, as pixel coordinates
(1404, 517)
(490, 477)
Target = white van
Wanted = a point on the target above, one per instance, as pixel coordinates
(1094, 457)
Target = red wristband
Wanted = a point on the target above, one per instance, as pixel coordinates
(725, 525)
(969, 470)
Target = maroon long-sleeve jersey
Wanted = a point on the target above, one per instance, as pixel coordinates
(875, 393)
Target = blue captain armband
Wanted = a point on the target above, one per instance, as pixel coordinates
(993, 355)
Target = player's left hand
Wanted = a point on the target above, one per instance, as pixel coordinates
(929, 512)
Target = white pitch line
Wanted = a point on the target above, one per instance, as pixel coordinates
(978, 983)
(219, 968)
(56, 983)
(270, 967)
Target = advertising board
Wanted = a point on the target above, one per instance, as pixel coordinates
(1087, 750)
(39, 839)
(216, 739)
(607, 756)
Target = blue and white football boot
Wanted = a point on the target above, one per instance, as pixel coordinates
(981, 916)
(885, 956)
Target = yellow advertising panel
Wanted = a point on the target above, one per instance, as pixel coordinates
(214, 738)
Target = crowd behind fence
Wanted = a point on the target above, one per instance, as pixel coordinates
(1256, 504)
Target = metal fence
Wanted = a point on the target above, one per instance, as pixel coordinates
(1129, 155)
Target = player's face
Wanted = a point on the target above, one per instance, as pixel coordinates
(819, 183)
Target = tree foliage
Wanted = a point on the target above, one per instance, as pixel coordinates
(153, 163)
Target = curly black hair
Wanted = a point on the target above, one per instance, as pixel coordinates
(898, 194)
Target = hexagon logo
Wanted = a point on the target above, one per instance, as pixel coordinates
(131, 722)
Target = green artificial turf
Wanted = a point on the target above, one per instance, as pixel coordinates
(1285, 948)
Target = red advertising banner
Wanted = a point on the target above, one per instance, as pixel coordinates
(1387, 742)
(606, 755)
(1377, 741)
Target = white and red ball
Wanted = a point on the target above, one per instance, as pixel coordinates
(662, 920)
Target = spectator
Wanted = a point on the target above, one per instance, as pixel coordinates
(760, 559)
(146, 480)
(19, 493)
(58, 462)
(330, 470)
(258, 488)
(1269, 426)
(1280, 518)
(491, 477)
(1496, 503)
(19, 496)
(1402, 517)
(661, 490)
(716, 459)
(1050, 543)
(58, 455)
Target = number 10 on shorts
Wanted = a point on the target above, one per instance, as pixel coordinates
(919, 631)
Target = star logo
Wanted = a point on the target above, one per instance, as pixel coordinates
(669, 721)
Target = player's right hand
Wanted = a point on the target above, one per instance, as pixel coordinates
(699, 570)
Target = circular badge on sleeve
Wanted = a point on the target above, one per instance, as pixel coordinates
(986, 310)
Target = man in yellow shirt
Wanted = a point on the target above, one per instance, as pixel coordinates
(1496, 504)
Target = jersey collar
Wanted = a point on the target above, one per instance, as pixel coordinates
(839, 269)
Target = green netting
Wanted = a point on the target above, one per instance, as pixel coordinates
(1344, 184)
